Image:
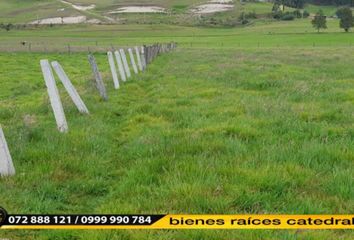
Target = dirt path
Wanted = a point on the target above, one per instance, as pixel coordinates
(86, 10)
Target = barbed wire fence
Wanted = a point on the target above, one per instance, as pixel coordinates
(103, 47)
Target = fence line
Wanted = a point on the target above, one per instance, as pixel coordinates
(144, 56)
(36, 47)
(42, 47)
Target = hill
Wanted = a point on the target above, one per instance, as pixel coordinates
(246, 120)
(26, 11)
(207, 13)
(255, 119)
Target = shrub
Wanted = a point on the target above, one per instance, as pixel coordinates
(242, 16)
(251, 15)
(9, 26)
(245, 21)
(288, 17)
(277, 14)
(297, 13)
(305, 14)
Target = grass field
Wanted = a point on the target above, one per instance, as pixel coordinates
(327, 10)
(257, 7)
(19, 11)
(299, 33)
(22, 12)
(256, 134)
(241, 120)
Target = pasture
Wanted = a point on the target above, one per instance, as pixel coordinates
(236, 120)
(262, 34)
(209, 128)
(177, 12)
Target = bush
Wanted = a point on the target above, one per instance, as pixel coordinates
(245, 21)
(242, 16)
(297, 13)
(288, 17)
(217, 22)
(8, 26)
(213, 21)
(277, 14)
(251, 15)
(305, 14)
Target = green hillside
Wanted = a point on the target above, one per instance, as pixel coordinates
(252, 118)
(177, 12)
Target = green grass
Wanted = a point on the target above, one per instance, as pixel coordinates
(180, 8)
(327, 10)
(258, 7)
(257, 134)
(18, 11)
(22, 12)
(299, 33)
(222, 125)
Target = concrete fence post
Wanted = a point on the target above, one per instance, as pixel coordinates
(98, 78)
(150, 54)
(132, 60)
(113, 68)
(140, 65)
(125, 63)
(54, 96)
(70, 88)
(156, 50)
(146, 50)
(120, 66)
(6, 165)
(143, 57)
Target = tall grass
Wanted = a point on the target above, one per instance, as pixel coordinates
(212, 131)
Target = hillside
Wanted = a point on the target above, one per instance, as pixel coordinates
(203, 130)
(253, 118)
(205, 13)
(27, 11)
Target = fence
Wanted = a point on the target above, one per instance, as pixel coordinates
(144, 55)
(96, 47)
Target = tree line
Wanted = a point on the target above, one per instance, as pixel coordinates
(301, 3)
(345, 15)
(332, 2)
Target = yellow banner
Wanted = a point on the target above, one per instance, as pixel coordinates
(224, 222)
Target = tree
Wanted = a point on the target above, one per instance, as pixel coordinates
(346, 18)
(319, 21)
